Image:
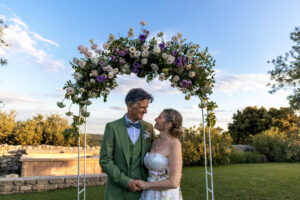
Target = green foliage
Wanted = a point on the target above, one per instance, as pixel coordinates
(7, 126)
(52, 130)
(252, 121)
(272, 143)
(287, 71)
(245, 157)
(2, 42)
(193, 146)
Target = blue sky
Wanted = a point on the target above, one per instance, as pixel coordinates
(241, 35)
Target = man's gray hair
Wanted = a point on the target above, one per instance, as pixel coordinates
(137, 94)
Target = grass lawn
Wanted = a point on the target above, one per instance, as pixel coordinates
(238, 181)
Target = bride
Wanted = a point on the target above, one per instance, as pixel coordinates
(164, 161)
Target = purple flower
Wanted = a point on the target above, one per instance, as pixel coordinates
(146, 32)
(125, 50)
(178, 61)
(135, 70)
(122, 53)
(185, 60)
(136, 65)
(185, 83)
(101, 63)
(116, 50)
(174, 53)
(142, 37)
(100, 79)
(162, 46)
(122, 62)
(113, 57)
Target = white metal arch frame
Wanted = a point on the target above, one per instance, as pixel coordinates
(209, 187)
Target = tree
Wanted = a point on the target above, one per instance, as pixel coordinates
(285, 119)
(30, 132)
(7, 126)
(2, 42)
(54, 126)
(247, 123)
(287, 71)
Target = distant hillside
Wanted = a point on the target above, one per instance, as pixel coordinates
(94, 139)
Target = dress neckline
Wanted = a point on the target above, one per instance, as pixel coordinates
(158, 154)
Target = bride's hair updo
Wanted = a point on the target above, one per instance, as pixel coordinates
(175, 118)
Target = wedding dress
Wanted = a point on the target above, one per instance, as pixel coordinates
(158, 167)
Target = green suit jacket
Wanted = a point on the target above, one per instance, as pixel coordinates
(114, 156)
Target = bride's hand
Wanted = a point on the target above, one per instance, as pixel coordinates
(142, 184)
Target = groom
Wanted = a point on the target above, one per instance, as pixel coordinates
(125, 143)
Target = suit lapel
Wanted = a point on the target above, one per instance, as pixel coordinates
(143, 140)
(123, 134)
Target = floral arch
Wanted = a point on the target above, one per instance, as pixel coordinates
(183, 64)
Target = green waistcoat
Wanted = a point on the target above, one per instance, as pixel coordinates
(135, 166)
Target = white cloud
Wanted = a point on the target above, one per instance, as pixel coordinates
(22, 40)
(14, 98)
(235, 83)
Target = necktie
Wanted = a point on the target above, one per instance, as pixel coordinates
(136, 125)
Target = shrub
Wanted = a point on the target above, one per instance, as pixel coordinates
(245, 157)
(193, 146)
(273, 144)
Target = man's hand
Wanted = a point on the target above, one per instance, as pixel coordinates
(142, 184)
(132, 186)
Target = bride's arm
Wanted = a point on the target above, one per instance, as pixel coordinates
(175, 168)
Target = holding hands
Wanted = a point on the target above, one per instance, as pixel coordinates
(137, 185)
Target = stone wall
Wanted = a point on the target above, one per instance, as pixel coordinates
(44, 183)
(10, 155)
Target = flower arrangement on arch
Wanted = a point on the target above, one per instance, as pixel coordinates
(183, 64)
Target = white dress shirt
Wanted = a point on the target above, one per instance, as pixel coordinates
(133, 132)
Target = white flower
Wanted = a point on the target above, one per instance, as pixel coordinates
(147, 134)
(156, 49)
(77, 76)
(179, 35)
(94, 46)
(81, 63)
(145, 54)
(176, 78)
(99, 51)
(131, 49)
(137, 54)
(143, 22)
(130, 34)
(111, 75)
(173, 85)
(170, 59)
(70, 90)
(132, 54)
(190, 57)
(192, 74)
(165, 56)
(88, 54)
(76, 97)
(154, 67)
(75, 60)
(145, 47)
(188, 67)
(95, 60)
(94, 73)
(108, 68)
(168, 44)
(116, 70)
(111, 38)
(175, 38)
(81, 90)
(162, 76)
(106, 46)
(160, 34)
(92, 81)
(144, 61)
